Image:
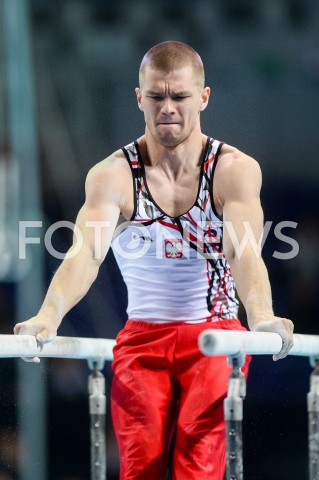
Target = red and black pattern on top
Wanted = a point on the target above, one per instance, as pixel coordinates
(201, 227)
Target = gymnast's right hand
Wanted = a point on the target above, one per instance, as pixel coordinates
(43, 330)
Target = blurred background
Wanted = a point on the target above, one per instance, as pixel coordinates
(68, 73)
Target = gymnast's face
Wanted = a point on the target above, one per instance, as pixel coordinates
(171, 103)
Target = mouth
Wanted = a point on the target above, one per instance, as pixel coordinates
(168, 123)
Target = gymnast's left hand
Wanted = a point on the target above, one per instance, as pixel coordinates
(283, 327)
(39, 327)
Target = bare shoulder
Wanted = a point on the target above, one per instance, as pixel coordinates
(233, 162)
(112, 168)
(236, 173)
(110, 182)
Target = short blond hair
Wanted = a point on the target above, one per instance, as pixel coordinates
(171, 55)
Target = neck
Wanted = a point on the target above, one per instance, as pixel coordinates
(177, 159)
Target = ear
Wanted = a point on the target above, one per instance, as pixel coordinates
(204, 98)
(139, 98)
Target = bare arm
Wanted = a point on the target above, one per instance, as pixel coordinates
(239, 183)
(95, 225)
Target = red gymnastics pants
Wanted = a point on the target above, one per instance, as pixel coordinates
(163, 385)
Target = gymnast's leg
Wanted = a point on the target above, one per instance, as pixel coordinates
(200, 443)
(142, 401)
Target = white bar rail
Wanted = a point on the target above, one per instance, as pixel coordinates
(211, 342)
(60, 347)
(232, 343)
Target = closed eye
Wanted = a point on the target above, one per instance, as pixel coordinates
(179, 98)
(156, 97)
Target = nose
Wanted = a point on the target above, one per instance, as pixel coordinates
(168, 107)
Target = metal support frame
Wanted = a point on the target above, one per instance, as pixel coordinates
(97, 403)
(233, 412)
